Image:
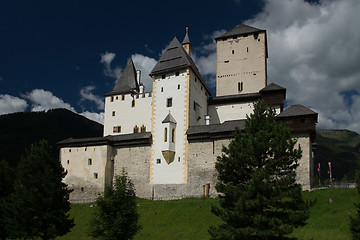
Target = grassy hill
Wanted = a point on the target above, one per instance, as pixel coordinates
(190, 218)
(19, 130)
(341, 148)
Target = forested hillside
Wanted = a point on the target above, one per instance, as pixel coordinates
(342, 149)
(19, 130)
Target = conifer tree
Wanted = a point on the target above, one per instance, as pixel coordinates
(117, 217)
(40, 203)
(355, 221)
(6, 189)
(259, 197)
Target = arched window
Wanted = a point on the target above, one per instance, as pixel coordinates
(173, 135)
(165, 135)
(136, 129)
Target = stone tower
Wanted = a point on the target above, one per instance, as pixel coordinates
(179, 101)
(241, 61)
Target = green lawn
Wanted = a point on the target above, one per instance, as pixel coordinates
(190, 218)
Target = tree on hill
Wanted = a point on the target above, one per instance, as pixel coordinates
(355, 221)
(259, 197)
(6, 189)
(40, 203)
(117, 217)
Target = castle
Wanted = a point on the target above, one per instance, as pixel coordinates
(168, 139)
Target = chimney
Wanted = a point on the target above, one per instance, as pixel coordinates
(207, 120)
(138, 75)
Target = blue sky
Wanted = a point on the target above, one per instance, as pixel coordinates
(70, 53)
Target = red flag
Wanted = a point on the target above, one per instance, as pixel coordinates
(319, 170)
(330, 170)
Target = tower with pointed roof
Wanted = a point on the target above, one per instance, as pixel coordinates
(241, 61)
(127, 109)
(179, 101)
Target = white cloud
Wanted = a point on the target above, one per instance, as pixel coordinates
(106, 59)
(42, 100)
(86, 94)
(314, 52)
(11, 104)
(145, 65)
(97, 117)
(205, 57)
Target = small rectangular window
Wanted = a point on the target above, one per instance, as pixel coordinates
(177, 73)
(95, 175)
(68, 161)
(240, 86)
(169, 102)
(116, 129)
(122, 97)
(163, 76)
(133, 103)
(226, 61)
(158, 161)
(113, 113)
(111, 98)
(117, 98)
(232, 51)
(89, 161)
(162, 89)
(178, 86)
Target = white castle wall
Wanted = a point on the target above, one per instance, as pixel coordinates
(198, 106)
(242, 59)
(306, 164)
(119, 111)
(176, 88)
(89, 170)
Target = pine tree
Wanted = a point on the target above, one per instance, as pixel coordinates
(117, 217)
(259, 197)
(40, 203)
(355, 221)
(6, 189)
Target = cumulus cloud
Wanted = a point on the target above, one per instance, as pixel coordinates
(87, 95)
(205, 57)
(314, 52)
(97, 117)
(106, 59)
(42, 100)
(145, 65)
(11, 104)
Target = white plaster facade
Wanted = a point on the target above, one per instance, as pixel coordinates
(241, 59)
(127, 111)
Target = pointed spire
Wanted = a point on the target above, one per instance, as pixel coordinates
(186, 38)
(186, 42)
(127, 82)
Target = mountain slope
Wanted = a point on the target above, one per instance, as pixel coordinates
(341, 148)
(19, 130)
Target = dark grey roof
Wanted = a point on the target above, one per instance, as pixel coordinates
(176, 58)
(272, 87)
(169, 119)
(239, 30)
(296, 110)
(113, 140)
(127, 82)
(224, 129)
(186, 38)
